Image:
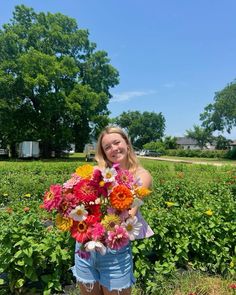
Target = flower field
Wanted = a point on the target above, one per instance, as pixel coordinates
(192, 211)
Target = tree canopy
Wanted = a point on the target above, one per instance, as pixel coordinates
(221, 115)
(201, 135)
(142, 127)
(54, 85)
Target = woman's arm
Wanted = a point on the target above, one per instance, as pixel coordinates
(146, 181)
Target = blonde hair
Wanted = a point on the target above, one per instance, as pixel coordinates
(100, 157)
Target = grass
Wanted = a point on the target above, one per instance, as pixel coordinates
(184, 283)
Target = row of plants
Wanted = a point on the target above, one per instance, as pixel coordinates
(217, 154)
(191, 210)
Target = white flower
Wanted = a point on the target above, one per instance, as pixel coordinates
(95, 246)
(132, 226)
(109, 174)
(79, 213)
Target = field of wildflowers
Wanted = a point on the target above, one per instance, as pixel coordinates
(192, 211)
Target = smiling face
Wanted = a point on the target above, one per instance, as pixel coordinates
(115, 148)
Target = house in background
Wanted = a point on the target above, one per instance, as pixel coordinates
(187, 143)
(233, 144)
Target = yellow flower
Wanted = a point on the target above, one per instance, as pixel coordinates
(110, 221)
(170, 204)
(28, 195)
(231, 264)
(209, 212)
(5, 195)
(142, 192)
(63, 223)
(85, 171)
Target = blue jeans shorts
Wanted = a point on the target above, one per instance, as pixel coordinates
(114, 270)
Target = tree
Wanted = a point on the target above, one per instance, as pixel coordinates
(201, 135)
(142, 127)
(54, 86)
(221, 115)
(170, 142)
(222, 143)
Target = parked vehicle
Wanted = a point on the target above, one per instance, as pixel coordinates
(150, 153)
(89, 151)
(29, 149)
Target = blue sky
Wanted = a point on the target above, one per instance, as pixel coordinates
(172, 55)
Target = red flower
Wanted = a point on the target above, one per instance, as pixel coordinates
(53, 197)
(85, 191)
(81, 231)
(68, 202)
(232, 286)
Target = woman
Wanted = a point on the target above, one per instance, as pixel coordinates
(113, 273)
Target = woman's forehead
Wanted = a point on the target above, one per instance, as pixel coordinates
(107, 138)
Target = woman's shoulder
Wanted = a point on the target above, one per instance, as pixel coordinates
(144, 176)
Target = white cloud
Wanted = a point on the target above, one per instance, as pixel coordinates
(128, 95)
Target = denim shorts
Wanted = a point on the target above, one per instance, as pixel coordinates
(114, 270)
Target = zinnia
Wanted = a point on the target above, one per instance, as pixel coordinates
(125, 177)
(121, 197)
(85, 191)
(53, 197)
(63, 223)
(118, 238)
(81, 231)
(132, 226)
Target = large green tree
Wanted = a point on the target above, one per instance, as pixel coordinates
(221, 115)
(142, 127)
(54, 85)
(202, 135)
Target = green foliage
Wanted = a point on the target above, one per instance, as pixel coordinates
(221, 115)
(201, 135)
(54, 86)
(157, 146)
(142, 127)
(191, 210)
(218, 154)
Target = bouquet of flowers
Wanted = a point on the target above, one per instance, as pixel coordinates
(94, 206)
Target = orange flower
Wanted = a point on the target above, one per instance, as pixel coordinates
(9, 210)
(142, 192)
(121, 197)
(26, 209)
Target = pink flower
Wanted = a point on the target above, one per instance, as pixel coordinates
(69, 184)
(85, 191)
(69, 202)
(118, 238)
(125, 177)
(98, 231)
(232, 286)
(53, 197)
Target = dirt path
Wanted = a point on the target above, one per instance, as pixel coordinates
(190, 161)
